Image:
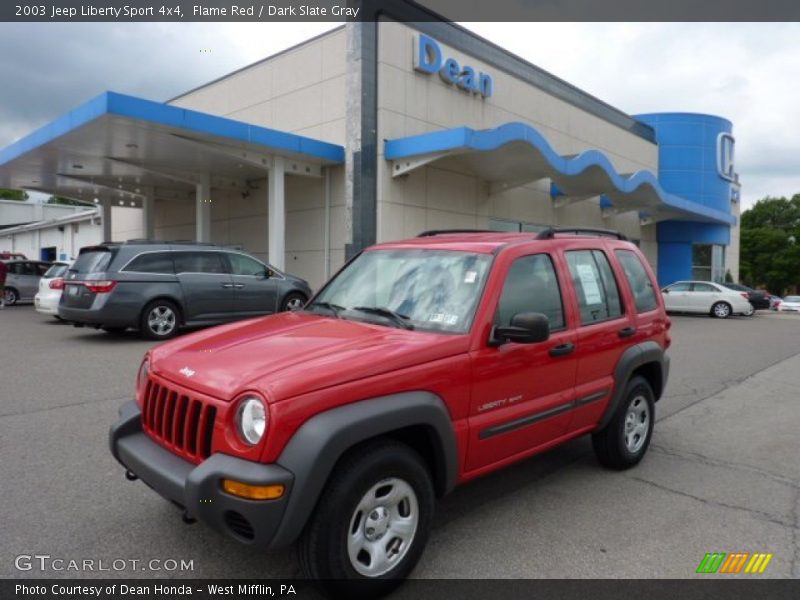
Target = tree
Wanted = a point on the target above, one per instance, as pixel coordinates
(19, 195)
(770, 254)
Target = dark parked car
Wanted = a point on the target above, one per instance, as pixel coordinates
(759, 300)
(157, 287)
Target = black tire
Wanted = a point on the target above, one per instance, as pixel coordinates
(11, 296)
(293, 301)
(152, 332)
(610, 444)
(323, 547)
(721, 310)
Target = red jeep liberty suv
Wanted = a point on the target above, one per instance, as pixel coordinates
(420, 365)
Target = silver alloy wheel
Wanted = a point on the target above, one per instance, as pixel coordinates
(161, 320)
(295, 303)
(637, 424)
(9, 297)
(721, 310)
(382, 527)
(750, 310)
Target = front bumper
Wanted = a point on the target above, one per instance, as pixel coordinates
(198, 488)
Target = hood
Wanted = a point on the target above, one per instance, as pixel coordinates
(294, 353)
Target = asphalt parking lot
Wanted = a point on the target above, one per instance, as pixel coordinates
(723, 473)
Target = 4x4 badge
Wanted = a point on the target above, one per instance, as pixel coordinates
(186, 371)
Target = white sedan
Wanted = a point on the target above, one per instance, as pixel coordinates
(50, 287)
(705, 297)
(789, 304)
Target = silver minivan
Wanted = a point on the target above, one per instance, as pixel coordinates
(22, 280)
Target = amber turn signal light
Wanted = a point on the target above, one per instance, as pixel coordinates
(253, 492)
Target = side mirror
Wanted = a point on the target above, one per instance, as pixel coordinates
(268, 273)
(665, 291)
(525, 328)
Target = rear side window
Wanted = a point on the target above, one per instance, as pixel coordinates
(644, 295)
(598, 295)
(41, 268)
(531, 286)
(152, 262)
(683, 286)
(199, 262)
(94, 261)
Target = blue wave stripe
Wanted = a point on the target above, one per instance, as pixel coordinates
(486, 140)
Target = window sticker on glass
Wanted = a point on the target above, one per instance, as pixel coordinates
(591, 290)
(443, 318)
(470, 276)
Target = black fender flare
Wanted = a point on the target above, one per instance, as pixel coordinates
(317, 445)
(633, 358)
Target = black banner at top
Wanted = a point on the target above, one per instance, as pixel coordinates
(370, 10)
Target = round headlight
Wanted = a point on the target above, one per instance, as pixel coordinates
(251, 419)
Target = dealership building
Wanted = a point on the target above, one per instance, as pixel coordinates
(377, 131)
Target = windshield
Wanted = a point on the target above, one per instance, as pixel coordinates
(93, 261)
(433, 290)
(55, 271)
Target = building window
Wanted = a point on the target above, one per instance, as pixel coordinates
(708, 262)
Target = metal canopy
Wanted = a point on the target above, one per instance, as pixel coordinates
(515, 153)
(121, 149)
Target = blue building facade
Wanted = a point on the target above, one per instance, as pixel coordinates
(696, 162)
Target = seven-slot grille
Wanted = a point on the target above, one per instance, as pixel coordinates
(184, 423)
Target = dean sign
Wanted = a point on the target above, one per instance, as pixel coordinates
(428, 58)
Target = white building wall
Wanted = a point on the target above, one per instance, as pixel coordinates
(411, 103)
(302, 91)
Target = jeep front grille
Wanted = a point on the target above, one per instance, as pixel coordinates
(178, 420)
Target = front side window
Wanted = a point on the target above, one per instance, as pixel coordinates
(152, 262)
(594, 283)
(244, 265)
(431, 290)
(644, 294)
(531, 286)
(199, 262)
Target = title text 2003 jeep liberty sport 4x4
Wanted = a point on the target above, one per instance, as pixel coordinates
(421, 365)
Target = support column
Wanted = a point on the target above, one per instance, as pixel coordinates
(105, 211)
(277, 214)
(148, 214)
(203, 209)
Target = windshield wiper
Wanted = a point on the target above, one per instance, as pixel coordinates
(334, 308)
(400, 320)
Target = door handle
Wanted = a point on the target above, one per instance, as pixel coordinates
(562, 349)
(626, 332)
(238, 285)
(227, 285)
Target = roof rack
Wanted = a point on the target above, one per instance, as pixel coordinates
(433, 232)
(550, 233)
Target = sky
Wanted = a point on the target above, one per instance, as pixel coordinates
(745, 72)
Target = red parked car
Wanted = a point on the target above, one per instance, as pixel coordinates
(421, 365)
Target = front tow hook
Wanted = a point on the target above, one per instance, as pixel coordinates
(131, 476)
